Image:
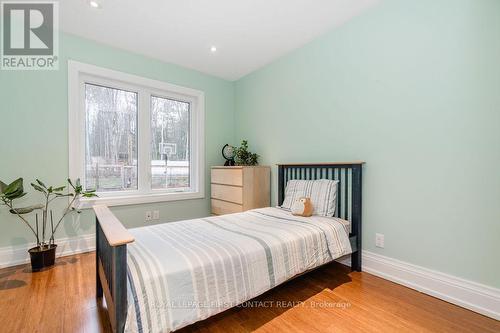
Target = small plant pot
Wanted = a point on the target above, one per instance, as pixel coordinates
(42, 257)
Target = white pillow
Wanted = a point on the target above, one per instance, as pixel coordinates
(323, 194)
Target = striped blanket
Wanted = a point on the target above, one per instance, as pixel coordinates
(186, 271)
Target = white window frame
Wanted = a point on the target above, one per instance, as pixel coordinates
(78, 75)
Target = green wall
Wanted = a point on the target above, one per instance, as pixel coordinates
(413, 89)
(34, 130)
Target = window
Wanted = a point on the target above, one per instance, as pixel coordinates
(110, 139)
(132, 139)
(169, 143)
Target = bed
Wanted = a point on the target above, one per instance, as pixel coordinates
(164, 277)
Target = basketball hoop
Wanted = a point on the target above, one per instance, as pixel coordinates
(168, 149)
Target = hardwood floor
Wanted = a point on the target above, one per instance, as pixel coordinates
(331, 299)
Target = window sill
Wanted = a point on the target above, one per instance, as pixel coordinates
(137, 199)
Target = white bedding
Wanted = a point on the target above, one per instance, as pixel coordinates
(186, 271)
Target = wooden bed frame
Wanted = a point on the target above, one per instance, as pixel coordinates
(112, 237)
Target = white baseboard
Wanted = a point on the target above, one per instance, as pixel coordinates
(468, 294)
(17, 255)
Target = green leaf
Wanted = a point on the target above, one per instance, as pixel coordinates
(38, 188)
(50, 189)
(3, 186)
(60, 195)
(14, 190)
(25, 210)
(41, 183)
(77, 186)
(15, 186)
(11, 197)
(59, 189)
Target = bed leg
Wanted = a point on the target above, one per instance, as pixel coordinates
(356, 261)
(356, 217)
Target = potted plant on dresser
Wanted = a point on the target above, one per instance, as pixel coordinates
(44, 226)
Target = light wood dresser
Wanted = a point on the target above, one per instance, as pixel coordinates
(239, 188)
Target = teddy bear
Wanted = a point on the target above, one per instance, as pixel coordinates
(302, 207)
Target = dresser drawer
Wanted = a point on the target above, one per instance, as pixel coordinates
(228, 193)
(227, 176)
(222, 207)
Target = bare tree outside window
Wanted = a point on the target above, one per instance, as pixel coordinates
(170, 167)
(111, 139)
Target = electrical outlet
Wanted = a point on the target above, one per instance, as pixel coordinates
(156, 214)
(149, 216)
(379, 240)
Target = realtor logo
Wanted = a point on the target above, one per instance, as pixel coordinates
(30, 39)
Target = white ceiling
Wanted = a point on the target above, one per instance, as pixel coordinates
(248, 34)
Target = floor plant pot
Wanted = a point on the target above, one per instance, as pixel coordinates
(42, 257)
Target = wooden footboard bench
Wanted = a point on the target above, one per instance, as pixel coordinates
(111, 265)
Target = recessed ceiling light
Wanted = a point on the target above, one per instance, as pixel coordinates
(94, 4)
(213, 49)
